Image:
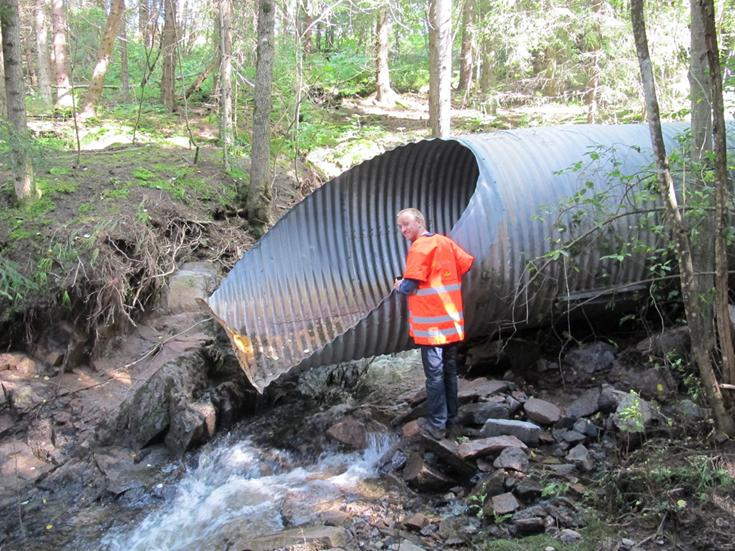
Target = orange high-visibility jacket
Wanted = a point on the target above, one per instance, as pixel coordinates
(435, 309)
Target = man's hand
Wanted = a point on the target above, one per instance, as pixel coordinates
(397, 283)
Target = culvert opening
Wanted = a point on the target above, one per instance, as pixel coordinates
(317, 288)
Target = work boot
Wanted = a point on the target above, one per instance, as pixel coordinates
(430, 430)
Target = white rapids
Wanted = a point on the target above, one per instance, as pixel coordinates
(240, 483)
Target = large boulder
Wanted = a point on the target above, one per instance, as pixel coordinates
(350, 432)
(541, 411)
(158, 404)
(193, 282)
(585, 362)
(526, 432)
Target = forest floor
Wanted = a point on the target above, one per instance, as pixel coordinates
(82, 263)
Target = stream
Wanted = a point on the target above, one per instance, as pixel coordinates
(238, 483)
(243, 483)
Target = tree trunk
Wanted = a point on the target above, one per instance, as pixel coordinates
(168, 49)
(383, 92)
(61, 56)
(697, 327)
(440, 66)
(143, 11)
(466, 56)
(703, 250)
(593, 83)
(226, 132)
(202, 76)
(15, 97)
(722, 198)
(124, 72)
(42, 52)
(109, 37)
(259, 193)
(3, 101)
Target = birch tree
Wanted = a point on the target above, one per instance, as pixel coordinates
(107, 42)
(226, 126)
(383, 91)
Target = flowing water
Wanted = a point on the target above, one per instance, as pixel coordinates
(244, 483)
(238, 483)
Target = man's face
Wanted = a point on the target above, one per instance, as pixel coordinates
(409, 226)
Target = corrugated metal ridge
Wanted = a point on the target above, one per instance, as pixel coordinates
(316, 289)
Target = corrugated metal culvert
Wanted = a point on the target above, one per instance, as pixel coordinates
(317, 288)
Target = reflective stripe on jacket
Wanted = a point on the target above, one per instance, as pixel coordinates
(435, 311)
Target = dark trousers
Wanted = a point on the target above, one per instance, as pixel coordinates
(440, 368)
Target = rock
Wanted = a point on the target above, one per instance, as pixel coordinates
(526, 526)
(333, 517)
(627, 543)
(192, 282)
(229, 399)
(320, 537)
(568, 536)
(191, 425)
(592, 358)
(60, 346)
(526, 432)
(564, 513)
(503, 504)
(541, 411)
(529, 520)
(20, 363)
(587, 427)
(655, 383)
(491, 486)
(349, 432)
(479, 412)
(609, 399)
(481, 388)
(407, 545)
(419, 475)
(149, 411)
(121, 471)
(488, 446)
(512, 458)
(633, 414)
(25, 396)
(569, 436)
(528, 489)
(40, 438)
(687, 410)
(412, 429)
(448, 453)
(416, 521)
(393, 460)
(585, 405)
(671, 341)
(580, 456)
(565, 469)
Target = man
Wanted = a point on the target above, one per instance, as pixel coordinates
(432, 281)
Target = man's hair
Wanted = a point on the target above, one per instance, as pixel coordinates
(416, 213)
